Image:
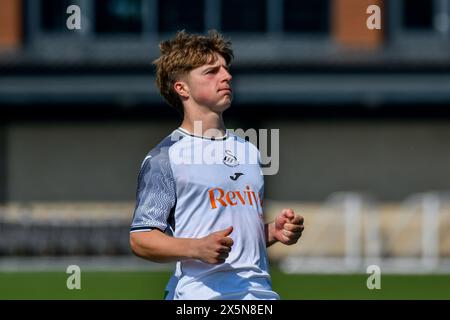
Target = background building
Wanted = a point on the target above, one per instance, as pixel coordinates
(361, 111)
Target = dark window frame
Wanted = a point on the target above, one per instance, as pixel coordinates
(146, 43)
(325, 33)
(399, 34)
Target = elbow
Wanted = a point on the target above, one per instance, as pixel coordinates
(135, 247)
(140, 248)
(145, 245)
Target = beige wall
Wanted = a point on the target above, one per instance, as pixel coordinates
(390, 159)
(92, 161)
(100, 161)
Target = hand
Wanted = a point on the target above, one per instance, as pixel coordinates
(215, 247)
(288, 227)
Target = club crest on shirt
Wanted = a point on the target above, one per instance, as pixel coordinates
(230, 160)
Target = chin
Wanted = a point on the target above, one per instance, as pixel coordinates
(222, 107)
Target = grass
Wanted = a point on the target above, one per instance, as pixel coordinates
(150, 285)
(303, 287)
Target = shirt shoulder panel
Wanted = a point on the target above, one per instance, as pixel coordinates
(156, 190)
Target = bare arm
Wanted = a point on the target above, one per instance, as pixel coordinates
(158, 247)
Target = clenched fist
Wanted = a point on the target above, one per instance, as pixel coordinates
(288, 227)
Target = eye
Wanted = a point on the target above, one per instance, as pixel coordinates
(211, 71)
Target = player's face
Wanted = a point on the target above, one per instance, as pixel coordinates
(210, 85)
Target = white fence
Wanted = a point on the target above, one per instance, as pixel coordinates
(345, 234)
(350, 232)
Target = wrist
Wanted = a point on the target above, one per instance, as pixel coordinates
(191, 250)
(270, 234)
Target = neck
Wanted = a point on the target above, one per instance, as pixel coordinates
(206, 124)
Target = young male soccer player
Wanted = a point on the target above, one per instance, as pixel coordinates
(207, 215)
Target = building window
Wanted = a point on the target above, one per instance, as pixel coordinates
(118, 16)
(176, 15)
(418, 14)
(53, 15)
(306, 16)
(243, 16)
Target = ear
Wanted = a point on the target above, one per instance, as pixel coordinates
(181, 88)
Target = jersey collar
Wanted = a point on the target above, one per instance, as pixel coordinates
(187, 133)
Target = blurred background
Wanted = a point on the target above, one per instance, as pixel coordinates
(364, 120)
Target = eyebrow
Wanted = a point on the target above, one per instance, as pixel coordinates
(216, 67)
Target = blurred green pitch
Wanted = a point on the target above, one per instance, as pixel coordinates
(150, 285)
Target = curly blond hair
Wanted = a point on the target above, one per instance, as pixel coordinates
(183, 54)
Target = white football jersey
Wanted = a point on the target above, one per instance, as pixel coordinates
(190, 186)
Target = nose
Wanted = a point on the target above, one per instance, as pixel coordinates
(227, 76)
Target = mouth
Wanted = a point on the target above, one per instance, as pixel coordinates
(226, 90)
